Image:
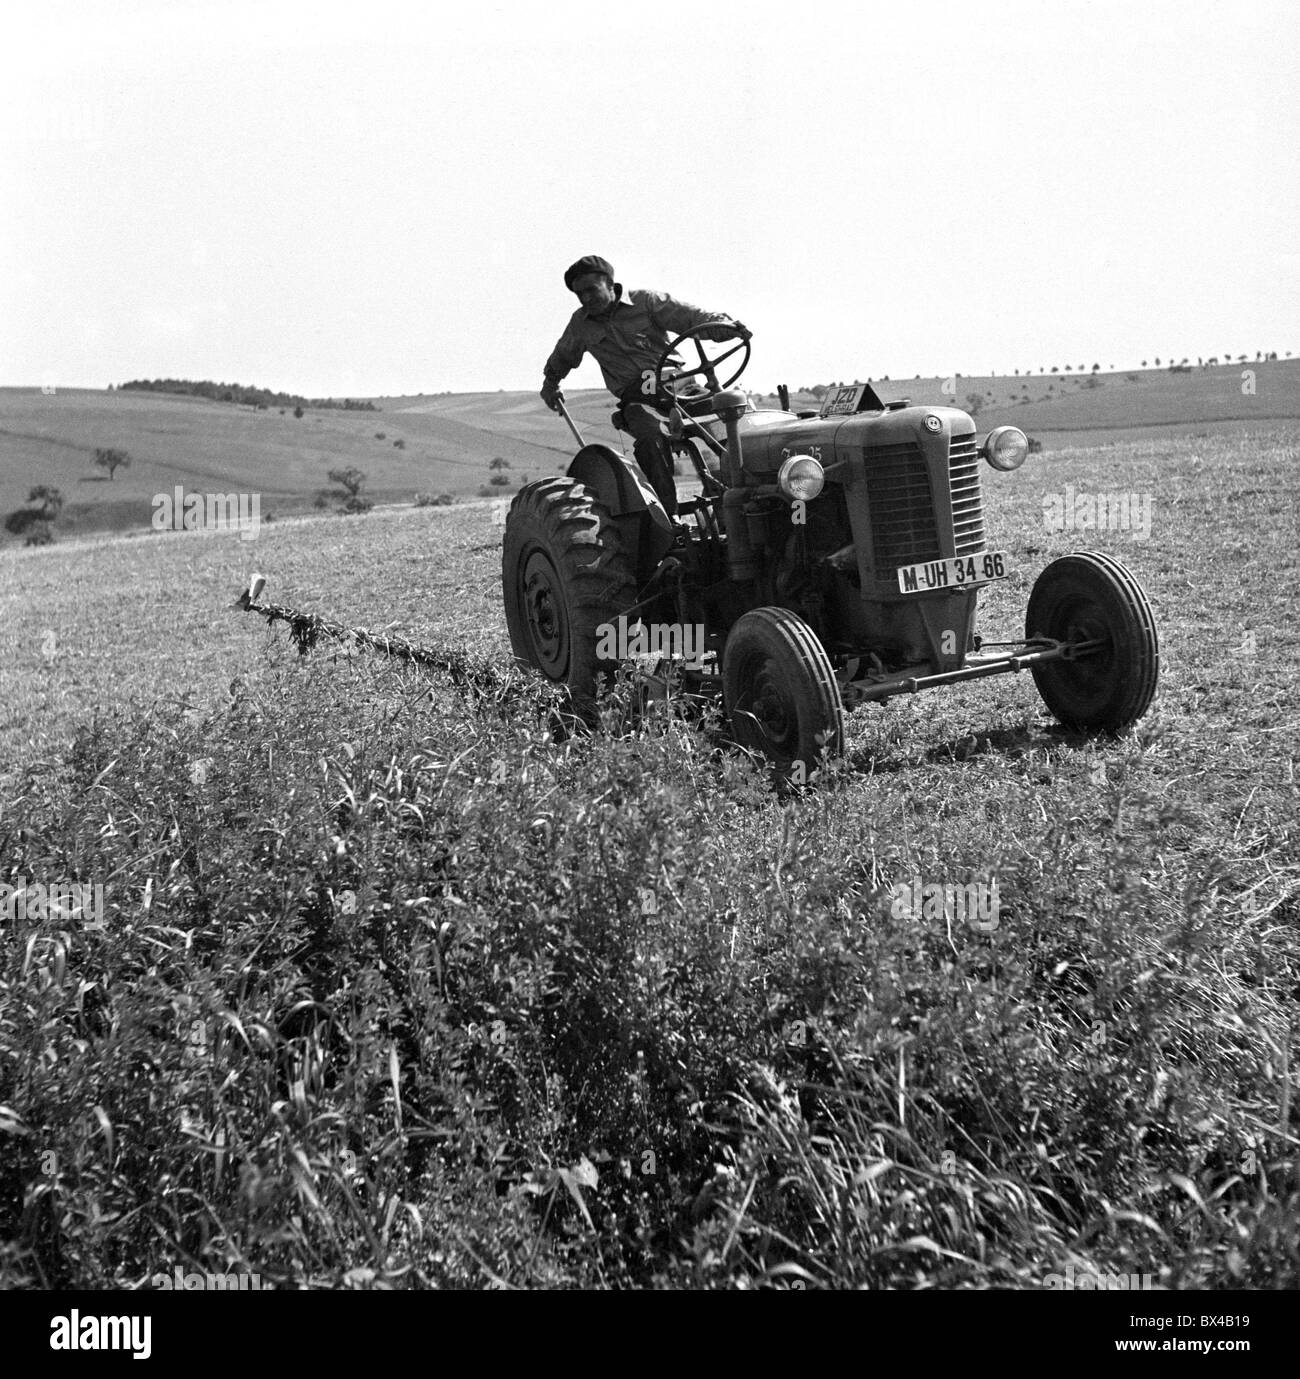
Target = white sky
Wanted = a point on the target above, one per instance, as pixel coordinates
(382, 198)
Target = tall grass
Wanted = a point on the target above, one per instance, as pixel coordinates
(397, 992)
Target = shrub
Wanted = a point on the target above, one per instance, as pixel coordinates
(297, 411)
(50, 499)
(399, 444)
(499, 480)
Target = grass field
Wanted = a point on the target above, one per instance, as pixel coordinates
(449, 441)
(394, 990)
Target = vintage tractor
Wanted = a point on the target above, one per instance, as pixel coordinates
(832, 558)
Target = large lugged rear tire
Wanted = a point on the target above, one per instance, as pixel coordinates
(564, 573)
(1082, 597)
(781, 693)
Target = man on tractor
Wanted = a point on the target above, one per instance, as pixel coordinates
(626, 333)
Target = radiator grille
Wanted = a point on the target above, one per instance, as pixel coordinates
(967, 499)
(903, 527)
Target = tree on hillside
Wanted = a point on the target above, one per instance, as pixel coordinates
(297, 411)
(112, 460)
(974, 402)
(1096, 368)
(499, 463)
(1144, 363)
(1157, 361)
(349, 479)
(1055, 369)
(352, 479)
(349, 483)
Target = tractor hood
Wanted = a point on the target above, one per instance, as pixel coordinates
(768, 438)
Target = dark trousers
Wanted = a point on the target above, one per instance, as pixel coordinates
(650, 446)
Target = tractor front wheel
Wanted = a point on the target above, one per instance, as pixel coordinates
(781, 693)
(1090, 597)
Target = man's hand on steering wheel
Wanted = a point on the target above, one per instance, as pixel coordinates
(665, 376)
(725, 330)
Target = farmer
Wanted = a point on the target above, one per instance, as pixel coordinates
(626, 332)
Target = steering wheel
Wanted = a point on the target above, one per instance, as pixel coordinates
(707, 368)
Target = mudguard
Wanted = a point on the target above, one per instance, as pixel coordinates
(646, 528)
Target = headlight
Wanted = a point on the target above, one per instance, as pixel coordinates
(1005, 447)
(801, 477)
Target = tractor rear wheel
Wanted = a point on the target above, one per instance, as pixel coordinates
(781, 693)
(564, 575)
(1085, 597)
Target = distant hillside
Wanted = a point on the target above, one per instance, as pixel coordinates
(1121, 401)
(241, 393)
(445, 443)
(209, 447)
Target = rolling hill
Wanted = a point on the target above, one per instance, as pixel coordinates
(449, 440)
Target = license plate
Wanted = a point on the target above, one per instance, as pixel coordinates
(959, 573)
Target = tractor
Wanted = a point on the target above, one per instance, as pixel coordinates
(832, 558)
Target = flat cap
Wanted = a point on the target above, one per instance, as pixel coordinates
(593, 263)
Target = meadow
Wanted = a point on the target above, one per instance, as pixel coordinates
(396, 990)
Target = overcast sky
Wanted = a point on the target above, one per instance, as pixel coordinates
(378, 198)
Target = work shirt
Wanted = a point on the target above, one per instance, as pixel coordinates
(628, 341)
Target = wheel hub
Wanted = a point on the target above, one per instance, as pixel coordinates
(544, 607)
(771, 708)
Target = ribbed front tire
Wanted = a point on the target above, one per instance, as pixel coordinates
(780, 692)
(1090, 596)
